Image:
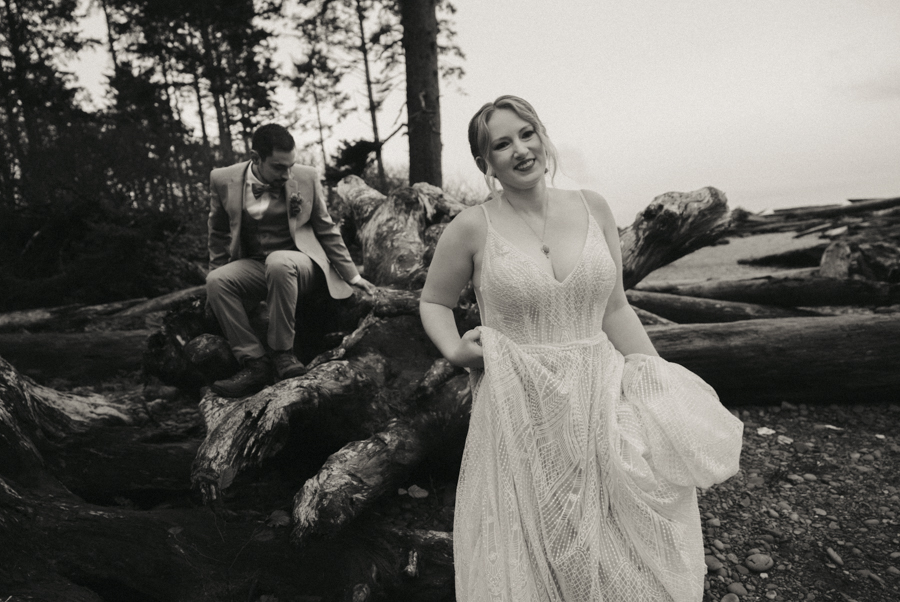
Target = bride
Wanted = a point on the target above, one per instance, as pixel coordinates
(585, 448)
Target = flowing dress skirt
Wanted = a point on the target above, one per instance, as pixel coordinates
(579, 476)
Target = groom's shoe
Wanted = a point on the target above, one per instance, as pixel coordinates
(252, 378)
(287, 365)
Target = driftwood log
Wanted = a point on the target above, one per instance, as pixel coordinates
(61, 319)
(858, 221)
(80, 357)
(672, 226)
(790, 288)
(835, 359)
(692, 310)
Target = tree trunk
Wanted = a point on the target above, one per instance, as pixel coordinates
(672, 226)
(423, 109)
(373, 114)
(693, 310)
(200, 111)
(835, 359)
(243, 434)
(66, 317)
(81, 357)
(794, 288)
(360, 472)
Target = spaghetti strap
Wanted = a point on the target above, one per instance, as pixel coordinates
(584, 202)
(486, 217)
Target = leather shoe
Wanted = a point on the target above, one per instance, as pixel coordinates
(287, 365)
(252, 378)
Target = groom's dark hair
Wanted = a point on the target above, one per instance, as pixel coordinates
(270, 137)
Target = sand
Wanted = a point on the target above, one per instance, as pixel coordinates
(720, 261)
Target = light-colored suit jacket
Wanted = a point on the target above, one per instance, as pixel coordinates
(311, 227)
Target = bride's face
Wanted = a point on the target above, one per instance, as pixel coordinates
(516, 152)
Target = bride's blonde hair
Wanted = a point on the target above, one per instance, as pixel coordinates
(480, 136)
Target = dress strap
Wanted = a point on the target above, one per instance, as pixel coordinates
(486, 216)
(584, 202)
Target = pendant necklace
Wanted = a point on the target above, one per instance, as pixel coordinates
(545, 249)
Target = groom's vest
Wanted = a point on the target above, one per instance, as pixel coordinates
(267, 234)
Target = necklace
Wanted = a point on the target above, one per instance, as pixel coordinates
(545, 249)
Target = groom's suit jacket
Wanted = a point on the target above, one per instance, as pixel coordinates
(311, 227)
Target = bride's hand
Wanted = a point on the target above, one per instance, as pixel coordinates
(469, 353)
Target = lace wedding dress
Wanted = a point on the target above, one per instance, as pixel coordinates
(579, 473)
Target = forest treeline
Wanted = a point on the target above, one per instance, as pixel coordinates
(109, 203)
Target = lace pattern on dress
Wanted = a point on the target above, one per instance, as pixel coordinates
(578, 478)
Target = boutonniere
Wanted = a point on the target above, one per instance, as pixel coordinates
(294, 205)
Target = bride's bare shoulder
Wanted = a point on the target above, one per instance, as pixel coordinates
(599, 209)
(469, 227)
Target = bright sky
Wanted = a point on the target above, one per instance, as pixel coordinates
(776, 102)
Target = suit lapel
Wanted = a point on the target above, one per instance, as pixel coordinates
(236, 190)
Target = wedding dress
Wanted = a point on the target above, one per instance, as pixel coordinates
(578, 480)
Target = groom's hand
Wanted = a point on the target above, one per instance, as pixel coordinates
(365, 285)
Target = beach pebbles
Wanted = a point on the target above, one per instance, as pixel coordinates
(759, 563)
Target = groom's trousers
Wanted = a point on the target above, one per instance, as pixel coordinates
(240, 285)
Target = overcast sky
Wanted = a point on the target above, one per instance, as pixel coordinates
(775, 102)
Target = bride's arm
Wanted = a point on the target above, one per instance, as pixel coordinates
(450, 271)
(620, 323)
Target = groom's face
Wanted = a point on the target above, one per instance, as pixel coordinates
(276, 168)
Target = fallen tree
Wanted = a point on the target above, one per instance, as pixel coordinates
(81, 357)
(64, 318)
(790, 288)
(681, 309)
(835, 359)
(672, 226)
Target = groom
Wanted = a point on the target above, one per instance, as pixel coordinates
(270, 238)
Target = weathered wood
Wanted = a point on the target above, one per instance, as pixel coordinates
(169, 358)
(352, 478)
(681, 309)
(808, 257)
(791, 288)
(81, 357)
(837, 261)
(91, 444)
(242, 434)
(66, 317)
(672, 226)
(358, 474)
(840, 210)
(212, 356)
(439, 207)
(880, 261)
(835, 359)
(390, 233)
(162, 303)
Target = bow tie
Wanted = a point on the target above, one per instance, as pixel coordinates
(258, 190)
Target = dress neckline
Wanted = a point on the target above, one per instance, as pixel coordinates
(592, 223)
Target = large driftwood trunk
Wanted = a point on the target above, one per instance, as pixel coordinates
(691, 310)
(81, 357)
(66, 317)
(837, 359)
(794, 288)
(391, 230)
(673, 225)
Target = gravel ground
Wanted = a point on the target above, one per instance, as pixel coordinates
(817, 497)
